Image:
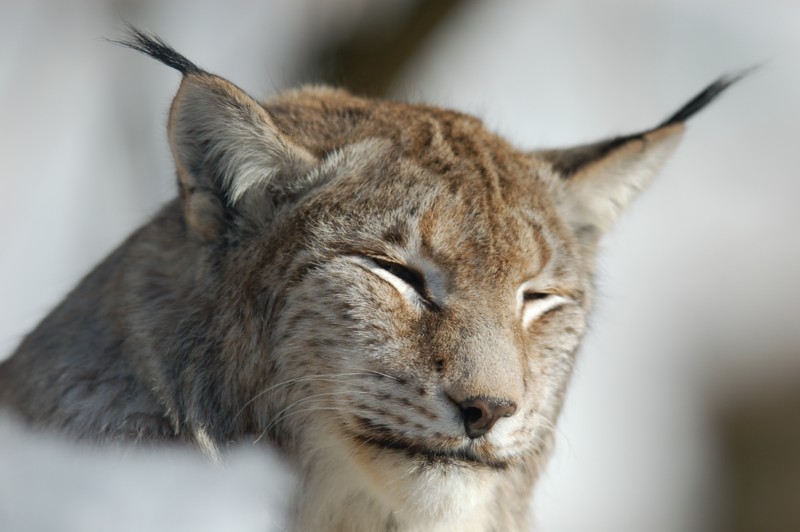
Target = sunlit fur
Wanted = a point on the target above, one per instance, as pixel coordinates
(259, 305)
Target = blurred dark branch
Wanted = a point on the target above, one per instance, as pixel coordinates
(367, 61)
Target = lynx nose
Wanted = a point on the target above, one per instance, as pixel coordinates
(481, 413)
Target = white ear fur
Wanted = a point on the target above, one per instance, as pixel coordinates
(599, 192)
(599, 180)
(222, 138)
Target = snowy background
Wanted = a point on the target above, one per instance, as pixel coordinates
(699, 306)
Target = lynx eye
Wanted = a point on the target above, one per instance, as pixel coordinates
(409, 276)
(535, 303)
(533, 296)
(409, 282)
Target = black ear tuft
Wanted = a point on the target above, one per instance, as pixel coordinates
(708, 94)
(156, 48)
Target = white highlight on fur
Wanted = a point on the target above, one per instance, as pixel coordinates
(207, 445)
(218, 125)
(531, 310)
(401, 286)
(600, 193)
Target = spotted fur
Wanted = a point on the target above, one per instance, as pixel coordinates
(339, 277)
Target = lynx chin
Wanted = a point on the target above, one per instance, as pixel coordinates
(388, 293)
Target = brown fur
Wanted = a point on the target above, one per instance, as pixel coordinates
(260, 303)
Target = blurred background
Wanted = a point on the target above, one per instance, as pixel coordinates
(684, 412)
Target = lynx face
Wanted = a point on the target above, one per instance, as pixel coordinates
(440, 313)
(388, 292)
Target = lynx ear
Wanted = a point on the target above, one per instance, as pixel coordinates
(226, 145)
(228, 152)
(602, 178)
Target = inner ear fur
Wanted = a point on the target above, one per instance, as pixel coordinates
(227, 147)
(600, 179)
(231, 159)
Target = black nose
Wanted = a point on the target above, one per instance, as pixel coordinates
(481, 413)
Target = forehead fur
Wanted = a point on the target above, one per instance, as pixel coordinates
(453, 146)
(424, 179)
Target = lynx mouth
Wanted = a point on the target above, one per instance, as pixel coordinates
(435, 456)
(386, 440)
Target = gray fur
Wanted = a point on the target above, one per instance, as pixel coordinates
(259, 304)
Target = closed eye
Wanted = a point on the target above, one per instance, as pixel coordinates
(411, 277)
(534, 304)
(409, 282)
(533, 296)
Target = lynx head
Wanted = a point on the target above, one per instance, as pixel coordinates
(400, 292)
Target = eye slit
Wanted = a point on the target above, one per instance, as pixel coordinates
(411, 277)
(534, 296)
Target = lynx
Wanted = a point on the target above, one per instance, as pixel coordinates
(389, 294)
